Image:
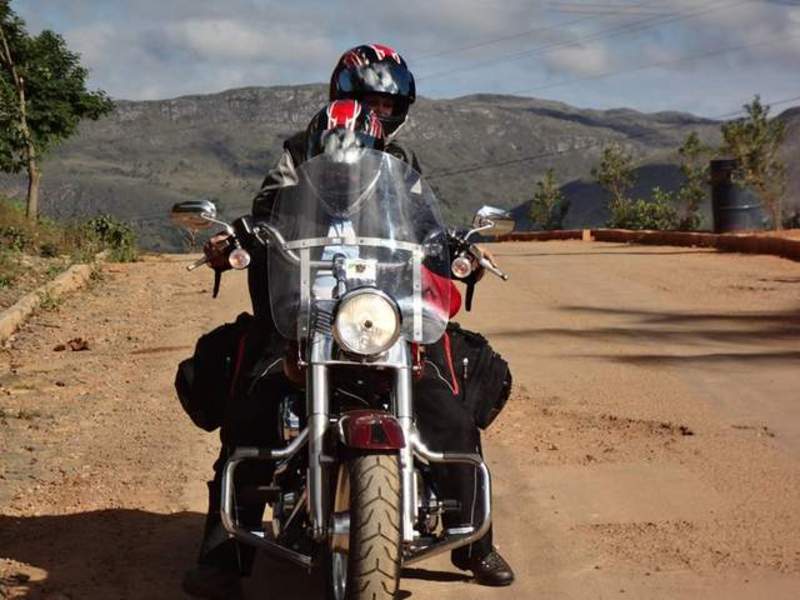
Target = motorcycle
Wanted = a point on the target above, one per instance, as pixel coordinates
(360, 268)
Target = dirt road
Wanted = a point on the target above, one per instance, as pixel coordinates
(650, 450)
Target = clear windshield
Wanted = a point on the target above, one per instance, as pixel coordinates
(369, 222)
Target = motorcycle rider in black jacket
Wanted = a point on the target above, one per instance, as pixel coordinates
(378, 77)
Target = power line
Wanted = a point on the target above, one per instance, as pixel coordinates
(506, 38)
(664, 63)
(558, 26)
(634, 27)
(599, 9)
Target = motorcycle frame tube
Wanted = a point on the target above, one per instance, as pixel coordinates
(318, 407)
(405, 415)
(226, 508)
(452, 541)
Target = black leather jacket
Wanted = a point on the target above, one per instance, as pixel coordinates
(284, 172)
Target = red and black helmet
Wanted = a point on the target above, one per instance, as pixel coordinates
(342, 129)
(375, 69)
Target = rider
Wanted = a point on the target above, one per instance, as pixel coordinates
(378, 77)
(340, 127)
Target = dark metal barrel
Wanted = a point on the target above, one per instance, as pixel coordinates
(735, 208)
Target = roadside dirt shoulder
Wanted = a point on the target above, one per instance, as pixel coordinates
(102, 476)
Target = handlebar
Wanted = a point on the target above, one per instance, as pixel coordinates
(487, 264)
(198, 263)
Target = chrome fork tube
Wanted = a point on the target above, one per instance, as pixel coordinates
(318, 402)
(405, 414)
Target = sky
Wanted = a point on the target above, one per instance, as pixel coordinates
(707, 57)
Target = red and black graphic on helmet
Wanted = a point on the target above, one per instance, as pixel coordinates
(382, 52)
(352, 59)
(343, 113)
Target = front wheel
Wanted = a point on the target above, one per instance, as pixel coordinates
(371, 568)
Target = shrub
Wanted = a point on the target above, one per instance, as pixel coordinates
(548, 207)
(113, 235)
(9, 269)
(659, 213)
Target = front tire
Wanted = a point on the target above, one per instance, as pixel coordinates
(374, 560)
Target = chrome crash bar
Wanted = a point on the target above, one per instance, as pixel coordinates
(258, 538)
(464, 536)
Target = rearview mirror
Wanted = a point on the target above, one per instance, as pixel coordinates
(493, 221)
(194, 215)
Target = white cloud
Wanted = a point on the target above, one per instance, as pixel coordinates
(580, 60)
(153, 48)
(230, 40)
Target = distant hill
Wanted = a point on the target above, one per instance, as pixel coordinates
(477, 149)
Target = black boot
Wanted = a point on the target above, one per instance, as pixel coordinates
(490, 569)
(213, 583)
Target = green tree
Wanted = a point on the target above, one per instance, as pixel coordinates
(754, 141)
(548, 207)
(694, 156)
(615, 175)
(43, 97)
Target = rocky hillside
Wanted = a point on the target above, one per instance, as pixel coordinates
(478, 149)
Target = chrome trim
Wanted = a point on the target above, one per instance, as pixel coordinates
(321, 352)
(194, 214)
(304, 314)
(318, 401)
(405, 415)
(340, 532)
(280, 243)
(417, 274)
(361, 292)
(258, 539)
(355, 241)
(453, 539)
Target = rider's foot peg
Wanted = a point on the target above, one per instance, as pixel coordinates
(450, 505)
(258, 493)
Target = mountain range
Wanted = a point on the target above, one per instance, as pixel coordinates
(474, 150)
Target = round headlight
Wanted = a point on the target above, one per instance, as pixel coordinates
(367, 323)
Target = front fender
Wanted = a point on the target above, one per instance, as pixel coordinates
(371, 430)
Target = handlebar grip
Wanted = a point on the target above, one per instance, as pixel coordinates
(198, 263)
(486, 264)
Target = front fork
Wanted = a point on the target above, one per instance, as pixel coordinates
(318, 400)
(405, 414)
(318, 473)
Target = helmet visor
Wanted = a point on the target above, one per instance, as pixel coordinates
(384, 77)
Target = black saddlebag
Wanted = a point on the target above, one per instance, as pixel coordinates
(206, 382)
(476, 373)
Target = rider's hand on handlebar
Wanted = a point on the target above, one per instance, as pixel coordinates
(217, 249)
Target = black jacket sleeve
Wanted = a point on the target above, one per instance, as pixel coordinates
(282, 174)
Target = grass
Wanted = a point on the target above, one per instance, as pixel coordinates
(9, 268)
(79, 241)
(49, 301)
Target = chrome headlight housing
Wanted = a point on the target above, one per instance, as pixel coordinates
(367, 322)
